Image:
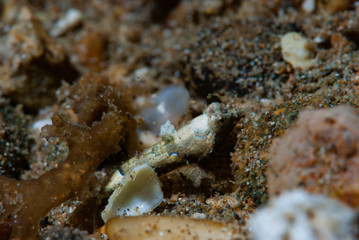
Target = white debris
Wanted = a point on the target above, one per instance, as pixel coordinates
(200, 127)
(199, 216)
(142, 73)
(266, 102)
(42, 120)
(308, 6)
(167, 129)
(296, 50)
(170, 103)
(147, 138)
(298, 215)
(72, 19)
(139, 192)
(318, 39)
(41, 123)
(114, 182)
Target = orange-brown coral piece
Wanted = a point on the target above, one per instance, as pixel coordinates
(24, 203)
(320, 153)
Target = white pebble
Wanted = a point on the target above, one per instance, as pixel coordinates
(308, 6)
(72, 19)
(199, 216)
(296, 50)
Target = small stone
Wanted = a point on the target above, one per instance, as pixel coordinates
(308, 6)
(296, 50)
(72, 19)
(199, 216)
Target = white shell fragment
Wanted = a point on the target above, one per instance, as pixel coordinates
(298, 215)
(72, 19)
(138, 193)
(114, 182)
(296, 50)
(167, 129)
